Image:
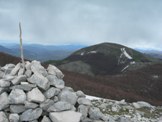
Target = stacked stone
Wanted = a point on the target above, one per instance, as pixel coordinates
(32, 93)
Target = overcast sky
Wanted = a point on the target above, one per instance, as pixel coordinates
(135, 23)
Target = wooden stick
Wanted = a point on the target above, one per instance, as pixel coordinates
(21, 46)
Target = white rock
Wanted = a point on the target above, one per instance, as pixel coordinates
(55, 71)
(28, 65)
(60, 106)
(68, 96)
(30, 115)
(35, 95)
(17, 96)
(142, 104)
(8, 77)
(21, 71)
(54, 81)
(8, 66)
(3, 117)
(66, 116)
(36, 67)
(50, 92)
(30, 105)
(19, 79)
(80, 94)
(14, 118)
(84, 110)
(4, 83)
(16, 69)
(2, 74)
(95, 113)
(28, 73)
(39, 80)
(84, 101)
(17, 108)
(4, 102)
(46, 119)
(46, 104)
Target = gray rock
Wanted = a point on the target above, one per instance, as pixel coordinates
(16, 69)
(30, 105)
(14, 118)
(4, 102)
(30, 115)
(8, 66)
(28, 73)
(2, 74)
(115, 108)
(8, 77)
(40, 81)
(17, 108)
(123, 119)
(56, 99)
(35, 95)
(34, 121)
(1, 90)
(21, 71)
(18, 79)
(3, 117)
(68, 96)
(87, 120)
(95, 113)
(66, 116)
(36, 67)
(4, 83)
(55, 71)
(141, 104)
(84, 101)
(57, 91)
(50, 92)
(54, 81)
(45, 119)
(28, 65)
(68, 89)
(46, 104)
(84, 110)
(80, 94)
(24, 87)
(17, 96)
(60, 106)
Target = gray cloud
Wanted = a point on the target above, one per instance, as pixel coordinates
(135, 23)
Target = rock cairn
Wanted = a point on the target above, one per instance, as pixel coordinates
(36, 94)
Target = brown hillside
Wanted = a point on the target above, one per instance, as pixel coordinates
(144, 84)
(6, 58)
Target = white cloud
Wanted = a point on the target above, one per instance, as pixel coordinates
(131, 23)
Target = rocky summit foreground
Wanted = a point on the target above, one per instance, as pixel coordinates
(36, 94)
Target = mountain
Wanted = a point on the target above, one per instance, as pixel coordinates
(152, 53)
(113, 71)
(41, 52)
(102, 59)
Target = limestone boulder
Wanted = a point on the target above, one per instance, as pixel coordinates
(35, 95)
(66, 116)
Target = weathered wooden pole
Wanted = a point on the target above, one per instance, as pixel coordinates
(21, 46)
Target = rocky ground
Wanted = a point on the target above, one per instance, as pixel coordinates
(121, 111)
(31, 93)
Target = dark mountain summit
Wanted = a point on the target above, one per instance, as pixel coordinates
(102, 59)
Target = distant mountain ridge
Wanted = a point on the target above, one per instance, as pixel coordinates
(41, 52)
(152, 52)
